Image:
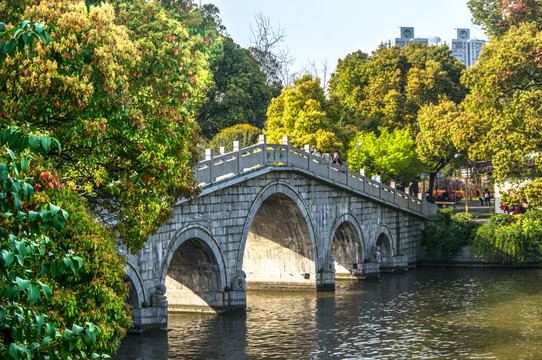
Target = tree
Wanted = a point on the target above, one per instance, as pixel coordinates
(349, 83)
(505, 93)
(239, 95)
(265, 46)
(118, 86)
(442, 135)
(300, 113)
(85, 285)
(392, 153)
(499, 16)
(389, 87)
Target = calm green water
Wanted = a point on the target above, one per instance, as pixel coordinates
(422, 314)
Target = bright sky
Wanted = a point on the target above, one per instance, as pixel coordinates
(317, 30)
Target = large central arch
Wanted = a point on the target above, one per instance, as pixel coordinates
(279, 249)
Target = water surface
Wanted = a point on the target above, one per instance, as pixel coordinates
(426, 313)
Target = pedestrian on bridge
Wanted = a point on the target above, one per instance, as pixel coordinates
(336, 158)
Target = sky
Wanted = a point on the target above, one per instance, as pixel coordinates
(318, 31)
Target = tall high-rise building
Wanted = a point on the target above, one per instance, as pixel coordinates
(465, 49)
(406, 36)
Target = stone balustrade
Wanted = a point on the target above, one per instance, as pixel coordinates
(217, 167)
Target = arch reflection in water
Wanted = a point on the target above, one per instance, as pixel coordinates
(426, 313)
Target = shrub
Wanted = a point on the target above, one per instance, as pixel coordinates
(512, 238)
(449, 234)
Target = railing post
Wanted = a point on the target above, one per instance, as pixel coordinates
(262, 140)
(347, 170)
(237, 148)
(393, 185)
(286, 141)
(307, 149)
(209, 157)
(222, 150)
(364, 180)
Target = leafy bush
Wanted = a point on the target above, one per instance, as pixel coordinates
(244, 133)
(30, 262)
(449, 234)
(511, 238)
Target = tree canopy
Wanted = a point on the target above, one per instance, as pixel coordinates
(389, 87)
(505, 97)
(239, 94)
(118, 86)
(498, 16)
(300, 112)
(391, 152)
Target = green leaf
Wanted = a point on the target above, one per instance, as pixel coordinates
(45, 144)
(2, 27)
(90, 337)
(50, 329)
(12, 45)
(28, 190)
(33, 141)
(53, 209)
(22, 283)
(39, 27)
(33, 294)
(24, 24)
(46, 290)
(10, 153)
(7, 258)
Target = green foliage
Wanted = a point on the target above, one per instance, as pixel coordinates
(30, 262)
(392, 153)
(239, 95)
(118, 86)
(498, 16)
(389, 87)
(300, 112)
(22, 38)
(512, 238)
(504, 103)
(451, 232)
(246, 134)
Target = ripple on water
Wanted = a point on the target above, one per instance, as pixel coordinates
(423, 314)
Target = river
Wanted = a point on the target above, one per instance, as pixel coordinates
(427, 313)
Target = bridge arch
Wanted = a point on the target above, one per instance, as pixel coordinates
(193, 271)
(137, 296)
(347, 246)
(384, 242)
(278, 244)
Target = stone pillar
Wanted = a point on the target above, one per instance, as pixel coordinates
(237, 149)
(222, 150)
(209, 157)
(325, 277)
(262, 141)
(286, 141)
(362, 172)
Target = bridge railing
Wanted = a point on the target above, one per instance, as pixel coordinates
(219, 166)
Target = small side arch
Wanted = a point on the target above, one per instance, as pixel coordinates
(193, 271)
(347, 246)
(384, 244)
(138, 291)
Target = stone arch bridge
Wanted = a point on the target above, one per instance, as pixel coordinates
(271, 216)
